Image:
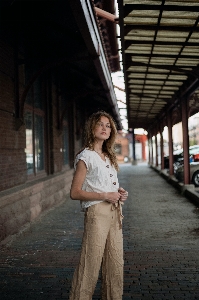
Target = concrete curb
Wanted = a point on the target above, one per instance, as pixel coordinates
(188, 190)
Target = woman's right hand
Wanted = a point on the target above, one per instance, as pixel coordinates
(112, 197)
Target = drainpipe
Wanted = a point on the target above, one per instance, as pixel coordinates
(106, 15)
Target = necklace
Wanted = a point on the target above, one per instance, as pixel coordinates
(98, 152)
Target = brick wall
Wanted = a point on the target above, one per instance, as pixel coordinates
(22, 200)
(21, 205)
(124, 142)
(12, 142)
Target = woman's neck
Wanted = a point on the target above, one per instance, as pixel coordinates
(98, 148)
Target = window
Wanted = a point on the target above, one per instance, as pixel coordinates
(29, 142)
(34, 122)
(39, 143)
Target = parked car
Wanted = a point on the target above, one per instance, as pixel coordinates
(194, 173)
(193, 152)
(196, 157)
(178, 156)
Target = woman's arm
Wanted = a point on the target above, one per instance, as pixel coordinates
(76, 192)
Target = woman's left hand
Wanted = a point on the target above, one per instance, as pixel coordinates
(123, 194)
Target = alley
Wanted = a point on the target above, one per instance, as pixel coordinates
(161, 242)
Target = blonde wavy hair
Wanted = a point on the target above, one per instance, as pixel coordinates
(108, 145)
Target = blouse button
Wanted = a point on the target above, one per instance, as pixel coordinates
(114, 183)
(111, 175)
(107, 166)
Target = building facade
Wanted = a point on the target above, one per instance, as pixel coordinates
(54, 72)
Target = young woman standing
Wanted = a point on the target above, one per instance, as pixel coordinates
(95, 184)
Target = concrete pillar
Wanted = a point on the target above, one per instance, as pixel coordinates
(185, 134)
(169, 120)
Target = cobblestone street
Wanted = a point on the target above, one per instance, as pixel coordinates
(161, 242)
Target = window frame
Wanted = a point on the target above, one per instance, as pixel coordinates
(39, 112)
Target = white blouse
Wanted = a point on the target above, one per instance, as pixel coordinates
(101, 176)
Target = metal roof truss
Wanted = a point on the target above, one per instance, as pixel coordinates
(160, 45)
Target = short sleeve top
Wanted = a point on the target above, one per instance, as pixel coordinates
(101, 176)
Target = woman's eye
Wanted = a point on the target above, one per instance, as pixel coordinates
(101, 124)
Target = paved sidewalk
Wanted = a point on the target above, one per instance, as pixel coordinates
(161, 243)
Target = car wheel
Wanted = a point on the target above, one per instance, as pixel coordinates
(195, 178)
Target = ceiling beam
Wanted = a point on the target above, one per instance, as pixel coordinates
(131, 94)
(128, 28)
(149, 84)
(164, 55)
(152, 73)
(166, 67)
(128, 43)
(128, 8)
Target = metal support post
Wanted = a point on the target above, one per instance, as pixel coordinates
(152, 151)
(162, 150)
(185, 141)
(156, 151)
(134, 162)
(169, 119)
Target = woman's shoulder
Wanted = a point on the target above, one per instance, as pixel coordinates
(87, 153)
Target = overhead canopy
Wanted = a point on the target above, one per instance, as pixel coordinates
(63, 38)
(160, 46)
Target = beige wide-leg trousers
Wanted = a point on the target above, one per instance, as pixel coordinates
(102, 245)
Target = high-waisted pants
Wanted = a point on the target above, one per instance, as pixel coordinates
(102, 247)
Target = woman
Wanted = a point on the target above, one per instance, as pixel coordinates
(95, 183)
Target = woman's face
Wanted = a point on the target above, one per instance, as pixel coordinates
(102, 129)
